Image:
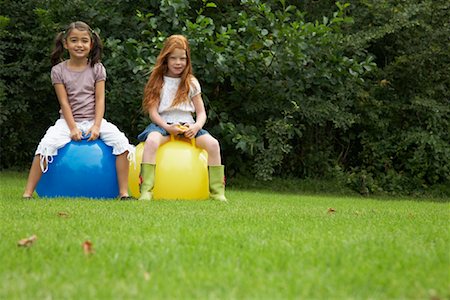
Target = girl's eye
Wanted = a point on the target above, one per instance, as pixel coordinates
(76, 40)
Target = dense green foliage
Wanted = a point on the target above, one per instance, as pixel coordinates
(357, 91)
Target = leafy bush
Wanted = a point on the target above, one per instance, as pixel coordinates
(354, 91)
(403, 135)
(271, 79)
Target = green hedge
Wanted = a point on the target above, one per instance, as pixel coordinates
(356, 91)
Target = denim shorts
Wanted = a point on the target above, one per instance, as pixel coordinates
(153, 127)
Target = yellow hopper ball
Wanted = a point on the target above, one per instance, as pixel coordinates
(181, 171)
(134, 171)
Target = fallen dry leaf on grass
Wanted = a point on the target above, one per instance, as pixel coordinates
(27, 242)
(331, 210)
(63, 214)
(146, 276)
(88, 248)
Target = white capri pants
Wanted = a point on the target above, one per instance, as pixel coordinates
(58, 135)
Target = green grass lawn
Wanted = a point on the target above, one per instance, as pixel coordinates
(260, 245)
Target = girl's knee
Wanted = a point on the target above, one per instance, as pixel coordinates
(212, 146)
(122, 155)
(216, 144)
(151, 144)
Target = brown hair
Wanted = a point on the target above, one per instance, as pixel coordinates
(97, 45)
(155, 82)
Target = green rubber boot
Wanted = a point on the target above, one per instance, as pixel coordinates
(148, 181)
(217, 183)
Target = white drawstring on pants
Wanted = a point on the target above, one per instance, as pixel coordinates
(131, 156)
(44, 160)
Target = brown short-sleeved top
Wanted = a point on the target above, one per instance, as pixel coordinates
(80, 87)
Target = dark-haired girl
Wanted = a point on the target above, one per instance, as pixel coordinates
(79, 83)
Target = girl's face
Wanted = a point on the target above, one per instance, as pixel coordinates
(176, 62)
(78, 43)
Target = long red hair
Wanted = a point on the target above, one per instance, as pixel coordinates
(155, 82)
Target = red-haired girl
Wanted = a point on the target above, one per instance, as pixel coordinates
(171, 96)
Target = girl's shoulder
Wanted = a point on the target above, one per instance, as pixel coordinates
(57, 71)
(99, 71)
(60, 65)
(193, 80)
(194, 84)
(98, 66)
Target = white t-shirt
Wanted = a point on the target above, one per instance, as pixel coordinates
(183, 112)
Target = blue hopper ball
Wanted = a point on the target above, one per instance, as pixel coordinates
(81, 169)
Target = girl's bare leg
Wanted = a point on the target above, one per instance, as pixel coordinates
(122, 168)
(154, 140)
(33, 177)
(212, 146)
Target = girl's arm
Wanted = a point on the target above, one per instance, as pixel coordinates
(200, 117)
(61, 93)
(94, 131)
(156, 118)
